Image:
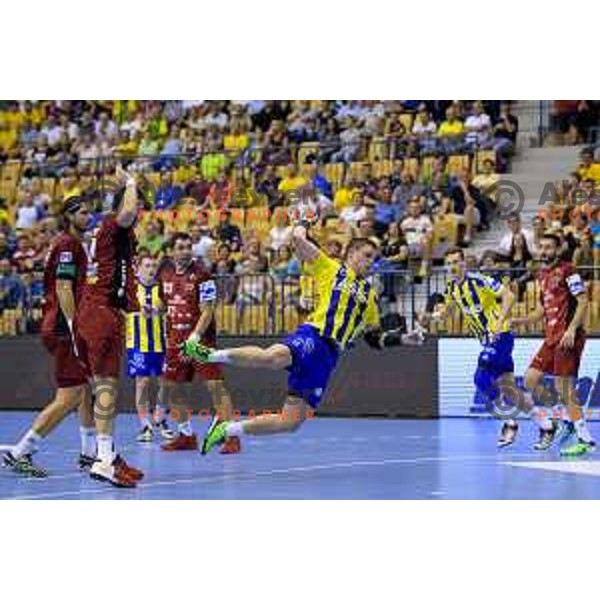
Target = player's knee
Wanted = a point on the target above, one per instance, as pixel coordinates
(485, 383)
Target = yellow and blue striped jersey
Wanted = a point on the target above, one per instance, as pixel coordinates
(146, 334)
(477, 297)
(346, 305)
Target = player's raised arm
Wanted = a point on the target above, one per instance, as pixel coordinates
(128, 211)
(207, 291)
(508, 301)
(306, 251)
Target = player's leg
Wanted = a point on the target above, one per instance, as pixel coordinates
(287, 420)
(177, 392)
(161, 412)
(223, 407)
(276, 357)
(574, 414)
(19, 457)
(87, 431)
(143, 408)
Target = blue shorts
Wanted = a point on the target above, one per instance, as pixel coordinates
(496, 358)
(144, 364)
(313, 360)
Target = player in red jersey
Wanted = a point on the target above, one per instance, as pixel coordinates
(189, 294)
(100, 322)
(64, 279)
(563, 307)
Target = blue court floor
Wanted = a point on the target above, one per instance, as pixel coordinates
(327, 459)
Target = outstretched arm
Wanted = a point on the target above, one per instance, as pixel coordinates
(306, 251)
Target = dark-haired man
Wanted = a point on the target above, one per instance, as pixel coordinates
(347, 307)
(64, 280)
(563, 307)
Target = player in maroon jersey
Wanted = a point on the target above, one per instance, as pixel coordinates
(563, 307)
(100, 321)
(189, 294)
(64, 279)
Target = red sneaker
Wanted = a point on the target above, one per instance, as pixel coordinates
(232, 445)
(113, 473)
(131, 472)
(181, 442)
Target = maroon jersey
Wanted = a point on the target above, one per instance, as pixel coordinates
(558, 287)
(66, 260)
(183, 292)
(113, 256)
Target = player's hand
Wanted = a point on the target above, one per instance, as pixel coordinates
(568, 339)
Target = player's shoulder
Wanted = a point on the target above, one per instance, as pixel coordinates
(66, 242)
(199, 270)
(484, 279)
(567, 268)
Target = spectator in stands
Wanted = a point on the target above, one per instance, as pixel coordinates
(281, 233)
(52, 131)
(366, 227)
(292, 180)
(24, 256)
(236, 142)
(201, 249)
(350, 139)
(519, 259)
(352, 214)
(329, 140)
(386, 212)
(149, 145)
(469, 203)
(276, 149)
(105, 129)
(223, 269)
(478, 127)
(198, 189)
(424, 130)
(487, 178)
(168, 194)
(12, 291)
(344, 194)
(451, 131)
(226, 231)
(27, 213)
(41, 199)
(5, 251)
(213, 162)
(506, 128)
(285, 265)
(395, 248)
(321, 183)
(153, 240)
(268, 186)
(588, 168)
(405, 192)
(515, 228)
(220, 192)
(418, 229)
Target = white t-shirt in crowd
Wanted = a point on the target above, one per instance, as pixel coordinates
(280, 236)
(415, 228)
(507, 239)
(472, 121)
(353, 214)
(27, 217)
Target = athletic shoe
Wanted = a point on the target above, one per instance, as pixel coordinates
(508, 434)
(568, 431)
(215, 436)
(166, 433)
(86, 462)
(113, 473)
(23, 465)
(196, 351)
(232, 445)
(145, 435)
(549, 436)
(580, 447)
(181, 442)
(132, 472)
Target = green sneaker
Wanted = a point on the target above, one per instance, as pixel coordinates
(579, 448)
(215, 436)
(196, 350)
(23, 466)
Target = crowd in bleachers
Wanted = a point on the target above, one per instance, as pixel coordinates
(416, 175)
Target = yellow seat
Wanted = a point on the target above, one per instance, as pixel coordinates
(305, 150)
(378, 149)
(482, 156)
(457, 162)
(407, 120)
(334, 172)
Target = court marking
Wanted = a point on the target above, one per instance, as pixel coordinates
(245, 476)
(579, 467)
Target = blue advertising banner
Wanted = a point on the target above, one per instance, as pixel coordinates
(457, 361)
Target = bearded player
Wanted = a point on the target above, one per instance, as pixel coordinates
(64, 280)
(563, 307)
(100, 323)
(189, 294)
(346, 308)
(486, 305)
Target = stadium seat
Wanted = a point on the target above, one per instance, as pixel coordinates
(407, 120)
(482, 156)
(334, 172)
(457, 162)
(306, 149)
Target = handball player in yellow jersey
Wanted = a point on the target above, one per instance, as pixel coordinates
(346, 309)
(486, 305)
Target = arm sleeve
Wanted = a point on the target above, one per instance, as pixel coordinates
(207, 291)
(574, 281)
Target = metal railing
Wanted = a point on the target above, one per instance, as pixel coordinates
(261, 304)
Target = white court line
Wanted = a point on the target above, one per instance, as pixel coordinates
(245, 476)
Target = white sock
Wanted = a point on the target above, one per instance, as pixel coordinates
(28, 444)
(106, 450)
(88, 441)
(145, 418)
(235, 428)
(543, 421)
(219, 356)
(185, 428)
(581, 428)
